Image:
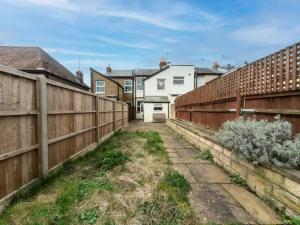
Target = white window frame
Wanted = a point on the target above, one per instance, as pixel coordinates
(157, 105)
(126, 85)
(100, 86)
(178, 78)
(161, 81)
(139, 86)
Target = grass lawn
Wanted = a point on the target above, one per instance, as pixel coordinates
(126, 180)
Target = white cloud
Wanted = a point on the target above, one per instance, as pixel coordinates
(74, 52)
(267, 34)
(163, 14)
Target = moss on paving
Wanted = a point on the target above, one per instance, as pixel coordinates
(126, 180)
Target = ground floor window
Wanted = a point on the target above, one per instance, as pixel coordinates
(140, 106)
(157, 107)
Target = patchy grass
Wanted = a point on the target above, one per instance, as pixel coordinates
(126, 180)
(237, 179)
(206, 155)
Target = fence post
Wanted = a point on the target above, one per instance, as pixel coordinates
(122, 115)
(238, 104)
(114, 115)
(97, 119)
(190, 113)
(43, 126)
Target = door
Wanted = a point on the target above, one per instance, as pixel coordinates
(140, 110)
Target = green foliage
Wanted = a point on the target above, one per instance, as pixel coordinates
(261, 142)
(179, 183)
(154, 142)
(89, 216)
(161, 211)
(109, 221)
(291, 220)
(236, 179)
(206, 155)
(111, 158)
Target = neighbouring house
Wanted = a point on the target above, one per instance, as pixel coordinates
(162, 88)
(105, 86)
(36, 61)
(139, 76)
(204, 75)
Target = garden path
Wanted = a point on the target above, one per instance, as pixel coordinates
(214, 198)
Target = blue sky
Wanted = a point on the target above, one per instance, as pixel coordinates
(131, 34)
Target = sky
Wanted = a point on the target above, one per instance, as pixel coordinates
(135, 34)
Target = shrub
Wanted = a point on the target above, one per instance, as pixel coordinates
(261, 142)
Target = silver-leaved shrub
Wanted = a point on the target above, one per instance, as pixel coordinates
(261, 142)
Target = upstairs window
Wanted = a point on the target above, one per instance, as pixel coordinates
(178, 80)
(139, 84)
(100, 86)
(128, 86)
(161, 84)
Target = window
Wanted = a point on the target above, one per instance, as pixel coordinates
(178, 80)
(161, 84)
(128, 86)
(140, 106)
(139, 84)
(100, 86)
(157, 107)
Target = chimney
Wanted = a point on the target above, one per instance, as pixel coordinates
(108, 69)
(79, 76)
(216, 65)
(162, 63)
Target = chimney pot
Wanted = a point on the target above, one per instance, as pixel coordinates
(108, 69)
(162, 63)
(79, 76)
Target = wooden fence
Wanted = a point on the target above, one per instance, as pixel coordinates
(264, 88)
(44, 123)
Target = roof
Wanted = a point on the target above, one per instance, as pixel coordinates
(35, 59)
(207, 70)
(119, 73)
(157, 72)
(106, 77)
(156, 99)
(145, 72)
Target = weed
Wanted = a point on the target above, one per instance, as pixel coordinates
(161, 211)
(237, 179)
(154, 142)
(111, 158)
(206, 155)
(109, 221)
(178, 183)
(89, 216)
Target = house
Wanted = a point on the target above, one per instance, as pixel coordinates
(36, 61)
(204, 75)
(105, 86)
(162, 88)
(131, 82)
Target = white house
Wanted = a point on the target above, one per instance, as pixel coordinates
(162, 88)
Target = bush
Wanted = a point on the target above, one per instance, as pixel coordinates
(261, 142)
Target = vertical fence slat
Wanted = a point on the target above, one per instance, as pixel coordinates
(43, 126)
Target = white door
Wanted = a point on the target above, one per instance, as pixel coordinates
(140, 110)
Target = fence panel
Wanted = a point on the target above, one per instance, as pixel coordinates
(33, 142)
(262, 89)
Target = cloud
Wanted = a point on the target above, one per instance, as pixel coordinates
(267, 34)
(74, 52)
(164, 14)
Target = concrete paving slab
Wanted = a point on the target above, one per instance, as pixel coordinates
(212, 204)
(209, 173)
(185, 171)
(252, 204)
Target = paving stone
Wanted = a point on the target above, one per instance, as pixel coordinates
(185, 171)
(173, 155)
(253, 205)
(209, 173)
(188, 152)
(181, 160)
(212, 204)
